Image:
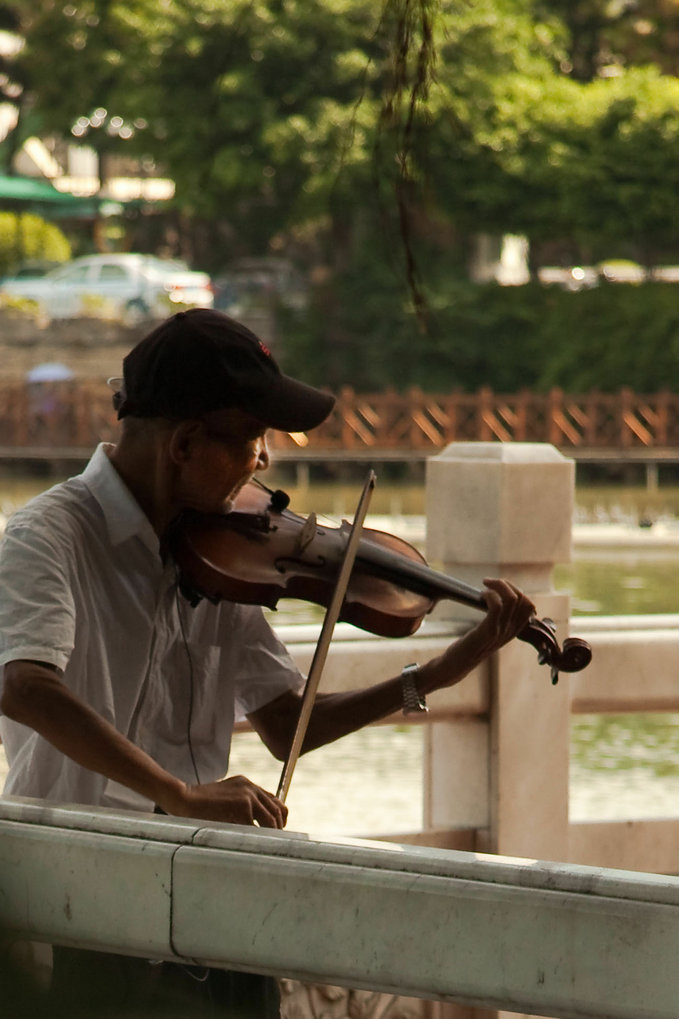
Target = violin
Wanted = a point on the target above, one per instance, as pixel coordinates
(261, 551)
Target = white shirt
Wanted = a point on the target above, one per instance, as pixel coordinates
(83, 587)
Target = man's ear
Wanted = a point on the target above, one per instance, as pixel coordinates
(183, 440)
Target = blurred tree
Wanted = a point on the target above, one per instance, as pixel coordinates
(596, 165)
(84, 70)
(605, 35)
(356, 134)
(286, 121)
(12, 85)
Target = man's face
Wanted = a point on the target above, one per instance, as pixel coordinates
(229, 447)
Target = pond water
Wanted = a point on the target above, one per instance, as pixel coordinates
(621, 765)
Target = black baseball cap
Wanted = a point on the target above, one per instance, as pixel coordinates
(201, 360)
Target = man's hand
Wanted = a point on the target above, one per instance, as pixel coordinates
(509, 609)
(237, 800)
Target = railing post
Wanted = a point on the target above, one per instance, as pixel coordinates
(503, 509)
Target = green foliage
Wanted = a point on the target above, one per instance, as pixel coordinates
(318, 131)
(612, 336)
(507, 338)
(27, 237)
(19, 306)
(279, 117)
(552, 158)
(486, 335)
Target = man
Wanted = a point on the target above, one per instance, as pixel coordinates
(116, 691)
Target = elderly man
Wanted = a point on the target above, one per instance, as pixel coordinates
(117, 691)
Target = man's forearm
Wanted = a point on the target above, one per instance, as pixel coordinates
(36, 697)
(336, 715)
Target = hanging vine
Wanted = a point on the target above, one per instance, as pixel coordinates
(407, 30)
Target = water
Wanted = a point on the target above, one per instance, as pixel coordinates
(367, 783)
(621, 765)
(624, 766)
(621, 583)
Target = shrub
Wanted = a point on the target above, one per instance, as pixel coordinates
(507, 338)
(27, 237)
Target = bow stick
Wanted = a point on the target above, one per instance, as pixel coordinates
(323, 645)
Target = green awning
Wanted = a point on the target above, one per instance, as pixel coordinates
(30, 189)
(24, 194)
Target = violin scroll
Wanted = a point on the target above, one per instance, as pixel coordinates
(574, 655)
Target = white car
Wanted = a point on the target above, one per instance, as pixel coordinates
(127, 287)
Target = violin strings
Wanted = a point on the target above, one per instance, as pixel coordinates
(330, 520)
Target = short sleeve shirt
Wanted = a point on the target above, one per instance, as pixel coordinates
(83, 587)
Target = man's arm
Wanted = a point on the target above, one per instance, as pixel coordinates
(335, 715)
(35, 695)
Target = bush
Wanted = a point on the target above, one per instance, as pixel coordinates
(508, 338)
(611, 336)
(19, 305)
(27, 237)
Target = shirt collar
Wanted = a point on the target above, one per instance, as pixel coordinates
(123, 515)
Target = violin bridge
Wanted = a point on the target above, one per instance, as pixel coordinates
(307, 534)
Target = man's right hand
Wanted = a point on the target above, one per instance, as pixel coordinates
(237, 800)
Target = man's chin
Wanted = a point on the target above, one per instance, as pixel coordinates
(230, 503)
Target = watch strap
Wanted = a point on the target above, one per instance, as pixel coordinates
(413, 701)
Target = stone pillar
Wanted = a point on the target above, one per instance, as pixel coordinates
(504, 509)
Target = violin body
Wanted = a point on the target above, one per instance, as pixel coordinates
(278, 554)
(261, 552)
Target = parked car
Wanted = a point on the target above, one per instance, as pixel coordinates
(578, 277)
(129, 287)
(251, 284)
(30, 270)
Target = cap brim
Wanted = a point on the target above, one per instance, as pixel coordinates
(291, 406)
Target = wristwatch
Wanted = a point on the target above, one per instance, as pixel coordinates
(413, 701)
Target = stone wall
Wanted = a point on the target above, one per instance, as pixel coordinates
(90, 347)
